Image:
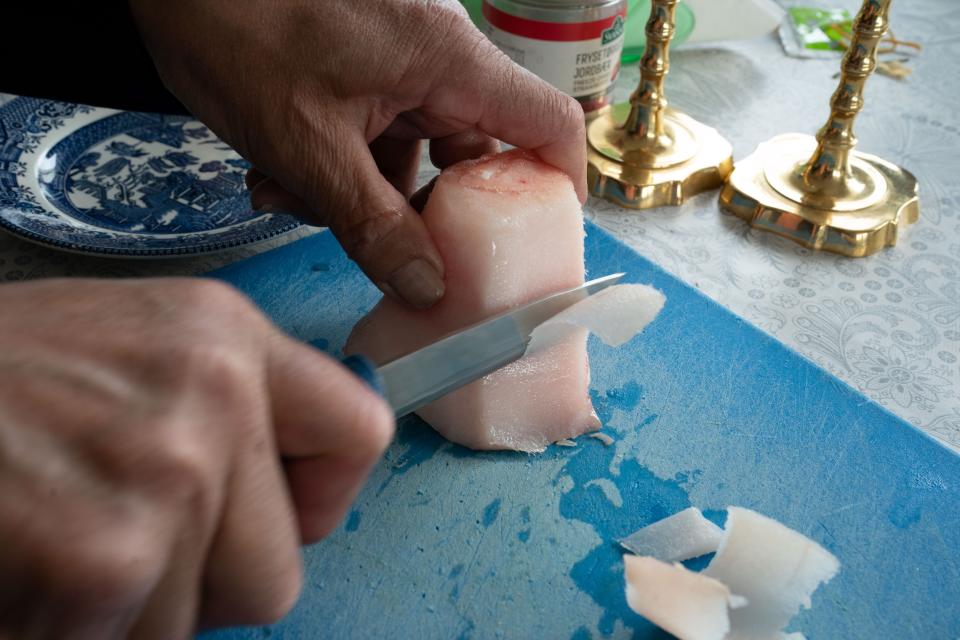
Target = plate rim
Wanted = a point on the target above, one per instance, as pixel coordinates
(206, 242)
(163, 252)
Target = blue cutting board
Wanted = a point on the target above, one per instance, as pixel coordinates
(706, 410)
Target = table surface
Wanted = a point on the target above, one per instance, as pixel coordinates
(889, 324)
(704, 410)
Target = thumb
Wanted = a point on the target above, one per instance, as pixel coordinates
(372, 221)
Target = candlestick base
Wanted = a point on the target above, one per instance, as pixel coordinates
(856, 218)
(688, 158)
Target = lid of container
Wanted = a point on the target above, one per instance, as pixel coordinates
(569, 4)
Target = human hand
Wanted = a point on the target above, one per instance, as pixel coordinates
(164, 450)
(329, 100)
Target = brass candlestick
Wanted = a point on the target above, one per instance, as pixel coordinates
(820, 192)
(642, 154)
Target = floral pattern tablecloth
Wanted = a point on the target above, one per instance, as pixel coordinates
(889, 325)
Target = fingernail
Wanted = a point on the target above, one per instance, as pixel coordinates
(417, 283)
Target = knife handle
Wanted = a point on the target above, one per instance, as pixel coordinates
(364, 369)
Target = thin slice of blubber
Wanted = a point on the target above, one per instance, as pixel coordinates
(602, 437)
(615, 315)
(689, 605)
(773, 566)
(684, 535)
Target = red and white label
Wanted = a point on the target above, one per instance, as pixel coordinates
(579, 58)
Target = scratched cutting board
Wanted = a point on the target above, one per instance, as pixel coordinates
(706, 410)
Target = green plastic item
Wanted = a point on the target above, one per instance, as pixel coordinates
(637, 13)
(817, 28)
(475, 8)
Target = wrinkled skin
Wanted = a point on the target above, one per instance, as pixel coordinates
(164, 451)
(329, 100)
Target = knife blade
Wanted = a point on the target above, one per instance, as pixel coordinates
(418, 378)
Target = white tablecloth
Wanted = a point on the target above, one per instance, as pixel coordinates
(889, 325)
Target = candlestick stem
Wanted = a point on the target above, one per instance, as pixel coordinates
(643, 154)
(822, 192)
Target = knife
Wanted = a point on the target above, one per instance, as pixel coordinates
(420, 377)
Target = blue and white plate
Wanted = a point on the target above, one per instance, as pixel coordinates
(120, 183)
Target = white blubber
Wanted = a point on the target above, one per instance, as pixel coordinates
(684, 535)
(615, 315)
(689, 605)
(773, 566)
(765, 570)
(510, 231)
